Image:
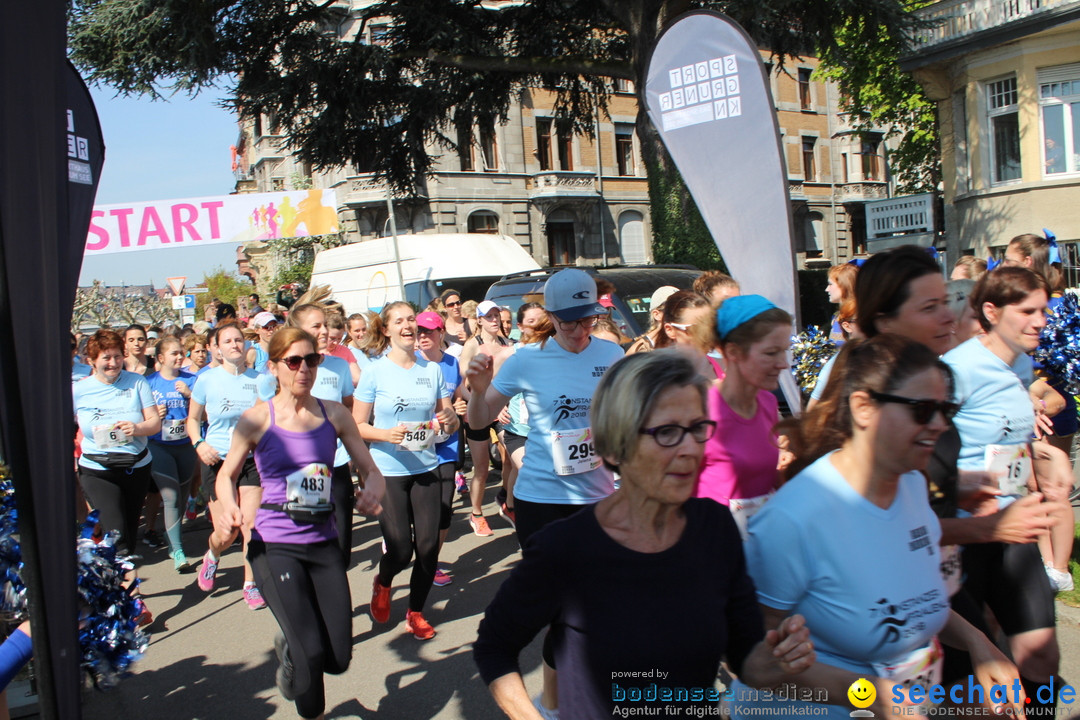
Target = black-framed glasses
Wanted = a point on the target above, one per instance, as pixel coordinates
(672, 435)
(312, 360)
(922, 411)
(586, 322)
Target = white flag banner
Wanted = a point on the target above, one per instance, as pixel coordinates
(707, 94)
(244, 217)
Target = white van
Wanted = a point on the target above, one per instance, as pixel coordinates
(364, 275)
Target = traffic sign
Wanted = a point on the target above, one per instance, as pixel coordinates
(183, 302)
(176, 284)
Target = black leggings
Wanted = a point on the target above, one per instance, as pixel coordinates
(446, 471)
(118, 495)
(1012, 581)
(410, 516)
(341, 489)
(308, 592)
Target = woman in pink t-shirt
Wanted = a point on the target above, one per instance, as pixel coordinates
(741, 457)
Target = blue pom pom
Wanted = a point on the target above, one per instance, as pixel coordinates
(1059, 344)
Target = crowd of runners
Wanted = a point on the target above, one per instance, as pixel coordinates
(669, 516)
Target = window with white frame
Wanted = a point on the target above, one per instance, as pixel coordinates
(1059, 110)
(1004, 121)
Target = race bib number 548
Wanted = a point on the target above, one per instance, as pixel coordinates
(572, 451)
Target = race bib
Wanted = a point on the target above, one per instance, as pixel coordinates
(107, 437)
(419, 436)
(309, 486)
(1013, 465)
(440, 436)
(174, 429)
(919, 667)
(742, 509)
(951, 568)
(572, 451)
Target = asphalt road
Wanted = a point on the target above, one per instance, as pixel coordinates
(211, 657)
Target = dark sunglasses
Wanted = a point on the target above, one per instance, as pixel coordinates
(922, 411)
(452, 304)
(293, 361)
(672, 435)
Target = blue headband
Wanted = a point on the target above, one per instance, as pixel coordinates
(737, 310)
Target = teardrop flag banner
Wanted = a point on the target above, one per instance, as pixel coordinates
(707, 94)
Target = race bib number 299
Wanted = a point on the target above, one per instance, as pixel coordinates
(572, 451)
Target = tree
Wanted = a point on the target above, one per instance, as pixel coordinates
(104, 307)
(226, 287)
(876, 94)
(443, 65)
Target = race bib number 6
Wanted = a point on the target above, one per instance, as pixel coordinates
(419, 436)
(572, 451)
(310, 485)
(1012, 463)
(108, 436)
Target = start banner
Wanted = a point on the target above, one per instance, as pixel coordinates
(238, 218)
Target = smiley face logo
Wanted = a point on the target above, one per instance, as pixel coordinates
(862, 693)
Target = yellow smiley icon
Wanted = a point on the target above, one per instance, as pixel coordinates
(862, 693)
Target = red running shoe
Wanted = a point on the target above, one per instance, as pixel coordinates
(380, 602)
(418, 626)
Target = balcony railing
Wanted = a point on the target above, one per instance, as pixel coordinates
(954, 19)
(365, 190)
(562, 184)
(850, 192)
(905, 215)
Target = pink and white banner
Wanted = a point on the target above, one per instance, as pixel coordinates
(210, 220)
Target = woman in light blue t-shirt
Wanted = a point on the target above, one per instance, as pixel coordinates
(400, 405)
(851, 543)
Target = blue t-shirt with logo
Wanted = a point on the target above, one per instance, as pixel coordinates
(399, 395)
(176, 405)
(866, 578)
(333, 381)
(225, 397)
(448, 450)
(558, 386)
(994, 404)
(101, 405)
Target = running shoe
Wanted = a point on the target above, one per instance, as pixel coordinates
(152, 539)
(206, 572)
(145, 617)
(442, 579)
(1060, 581)
(418, 626)
(480, 526)
(380, 602)
(285, 672)
(181, 562)
(253, 597)
(507, 514)
(544, 712)
(461, 484)
(192, 511)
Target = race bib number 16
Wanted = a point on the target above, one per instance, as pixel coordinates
(572, 451)
(1013, 465)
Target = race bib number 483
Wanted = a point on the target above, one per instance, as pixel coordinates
(572, 451)
(310, 485)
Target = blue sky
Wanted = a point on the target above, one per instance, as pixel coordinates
(159, 151)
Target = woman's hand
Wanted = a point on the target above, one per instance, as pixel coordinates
(182, 388)
(207, 454)
(460, 406)
(993, 668)
(161, 411)
(229, 519)
(447, 418)
(791, 645)
(396, 435)
(368, 497)
(504, 415)
(127, 427)
(479, 373)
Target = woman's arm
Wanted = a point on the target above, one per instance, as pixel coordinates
(486, 401)
(150, 425)
(368, 498)
(991, 665)
(362, 415)
(512, 697)
(196, 414)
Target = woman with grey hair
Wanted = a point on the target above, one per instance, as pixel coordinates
(621, 578)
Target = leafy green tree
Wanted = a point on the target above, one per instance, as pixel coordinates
(226, 287)
(444, 65)
(876, 94)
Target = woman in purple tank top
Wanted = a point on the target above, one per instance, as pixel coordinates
(293, 550)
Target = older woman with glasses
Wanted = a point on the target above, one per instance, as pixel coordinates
(623, 577)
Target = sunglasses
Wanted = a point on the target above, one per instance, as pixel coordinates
(922, 411)
(293, 361)
(452, 304)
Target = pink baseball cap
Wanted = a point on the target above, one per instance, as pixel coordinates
(430, 321)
